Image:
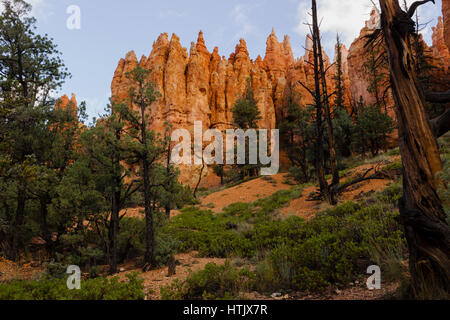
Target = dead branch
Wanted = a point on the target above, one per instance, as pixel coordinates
(441, 125)
(309, 90)
(415, 5)
(438, 97)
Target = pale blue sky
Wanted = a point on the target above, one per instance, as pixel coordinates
(111, 28)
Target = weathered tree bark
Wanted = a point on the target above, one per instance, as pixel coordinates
(323, 184)
(441, 124)
(421, 212)
(200, 177)
(438, 97)
(326, 104)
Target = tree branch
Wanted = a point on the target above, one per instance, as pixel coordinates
(438, 97)
(441, 125)
(309, 90)
(415, 5)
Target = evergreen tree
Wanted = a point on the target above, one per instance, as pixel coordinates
(341, 120)
(378, 79)
(147, 148)
(30, 69)
(246, 115)
(107, 148)
(298, 132)
(371, 129)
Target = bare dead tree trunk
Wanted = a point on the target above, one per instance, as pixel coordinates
(324, 189)
(199, 177)
(326, 104)
(421, 211)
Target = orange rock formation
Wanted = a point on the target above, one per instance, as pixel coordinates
(198, 85)
(446, 15)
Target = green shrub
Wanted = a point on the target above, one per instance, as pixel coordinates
(394, 166)
(331, 248)
(391, 195)
(213, 283)
(131, 238)
(56, 270)
(393, 152)
(91, 289)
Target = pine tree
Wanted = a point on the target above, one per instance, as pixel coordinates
(108, 150)
(371, 129)
(341, 120)
(298, 132)
(31, 68)
(148, 148)
(246, 115)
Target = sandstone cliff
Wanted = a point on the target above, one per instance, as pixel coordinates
(67, 104)
(199, 85)
(446, 15)
(203, 86)
(437, 56)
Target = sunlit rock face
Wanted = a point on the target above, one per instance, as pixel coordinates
(199, 85)
(437, 55)
(64, 103)
(446, 17)
(359, 76)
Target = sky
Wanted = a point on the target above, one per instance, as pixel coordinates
(108, 29)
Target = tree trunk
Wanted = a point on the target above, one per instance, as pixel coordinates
(149, 258)
(324, 189)
(114, 229)
(168, 172)
(200, 177)
(421, 212)
(18, 222)
(326, 104)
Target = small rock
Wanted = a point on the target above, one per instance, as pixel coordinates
(338, 291)
(276, 295)
(122, 269)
